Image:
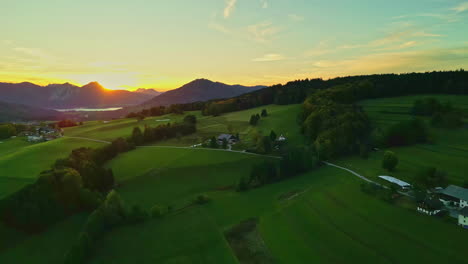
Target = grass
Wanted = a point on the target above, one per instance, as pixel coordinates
(173, 176)
(48, 247)
(282, 119)
(22, 162)
(321, 216)
(449, 151)
(321, 224)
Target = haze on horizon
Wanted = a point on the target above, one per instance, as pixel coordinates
(164, 44)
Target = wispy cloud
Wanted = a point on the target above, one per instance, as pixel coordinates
(263, 32)
(296, 17)
(321, 49)
(33, 52)
(462, 7)
(396, 62)
(219, 27)
(230, 6)
(269, 57)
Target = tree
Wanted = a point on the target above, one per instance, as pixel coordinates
(264, 145)
(273, 135)
(364, 151)
(140, 117)
(390, 161)
(225, 143)
(202, 199)
(190, 119)
(432, 177)
(254, 119)
(157, 211)
(264, 113)
(137, 136)
(243, 184)
(213, 143)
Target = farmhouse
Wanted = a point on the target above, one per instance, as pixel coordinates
(281, 138)
(430, 206)
(454, 195)
(231, 139)
(35, 138)
(463, 218)
(400, 183)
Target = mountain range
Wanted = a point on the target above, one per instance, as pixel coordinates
(17, 112)
(152, 92)
(199, 90)
(56, 96)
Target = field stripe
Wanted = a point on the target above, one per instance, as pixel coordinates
(190, 148)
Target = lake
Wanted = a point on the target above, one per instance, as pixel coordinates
(89, 109)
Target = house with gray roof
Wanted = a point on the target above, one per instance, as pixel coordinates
(455, 195)
(231, 139)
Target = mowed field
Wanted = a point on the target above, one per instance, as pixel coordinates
(449, 152)
(21, 161)
(282, 119)
(327, 220)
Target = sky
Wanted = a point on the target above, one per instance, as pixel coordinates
(164, 44)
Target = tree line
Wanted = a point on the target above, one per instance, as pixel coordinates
(294, 161)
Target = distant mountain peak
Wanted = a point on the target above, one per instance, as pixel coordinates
(94, 85)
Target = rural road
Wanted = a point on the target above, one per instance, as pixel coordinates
(363, 177)
(174, 147)
(350, 171)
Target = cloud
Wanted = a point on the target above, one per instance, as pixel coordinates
(269, 57)
(462, 7)
(33, 52)
(230, 6)
(219, 27)
(319, 50)
(263, 32)
(395, 62)
(264, 3)
(295, 17)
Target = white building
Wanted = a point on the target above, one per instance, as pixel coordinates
(463, 218)
(281, 138)
(400, 183)
(455, 195)
(430, 207)
(35, 138)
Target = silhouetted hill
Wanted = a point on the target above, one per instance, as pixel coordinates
(16, 112)
(199, 90)
(66, 95)
(151, 92)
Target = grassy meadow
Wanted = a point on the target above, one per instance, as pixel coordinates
(449, 152)
(21, 161)
(321, 216)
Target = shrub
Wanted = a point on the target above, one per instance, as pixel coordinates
(202, 199)
(390, 161)
(157, 211)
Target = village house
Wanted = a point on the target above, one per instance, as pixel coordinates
(463, 218)
(281, 138)
(454, 195)
(35, 138)
(403, 185)
(231, 139)
(430, 206)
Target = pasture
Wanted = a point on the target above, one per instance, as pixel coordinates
(449, 152)
(320, 223)
(282, 119)
(21, 162)
(321, 216)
